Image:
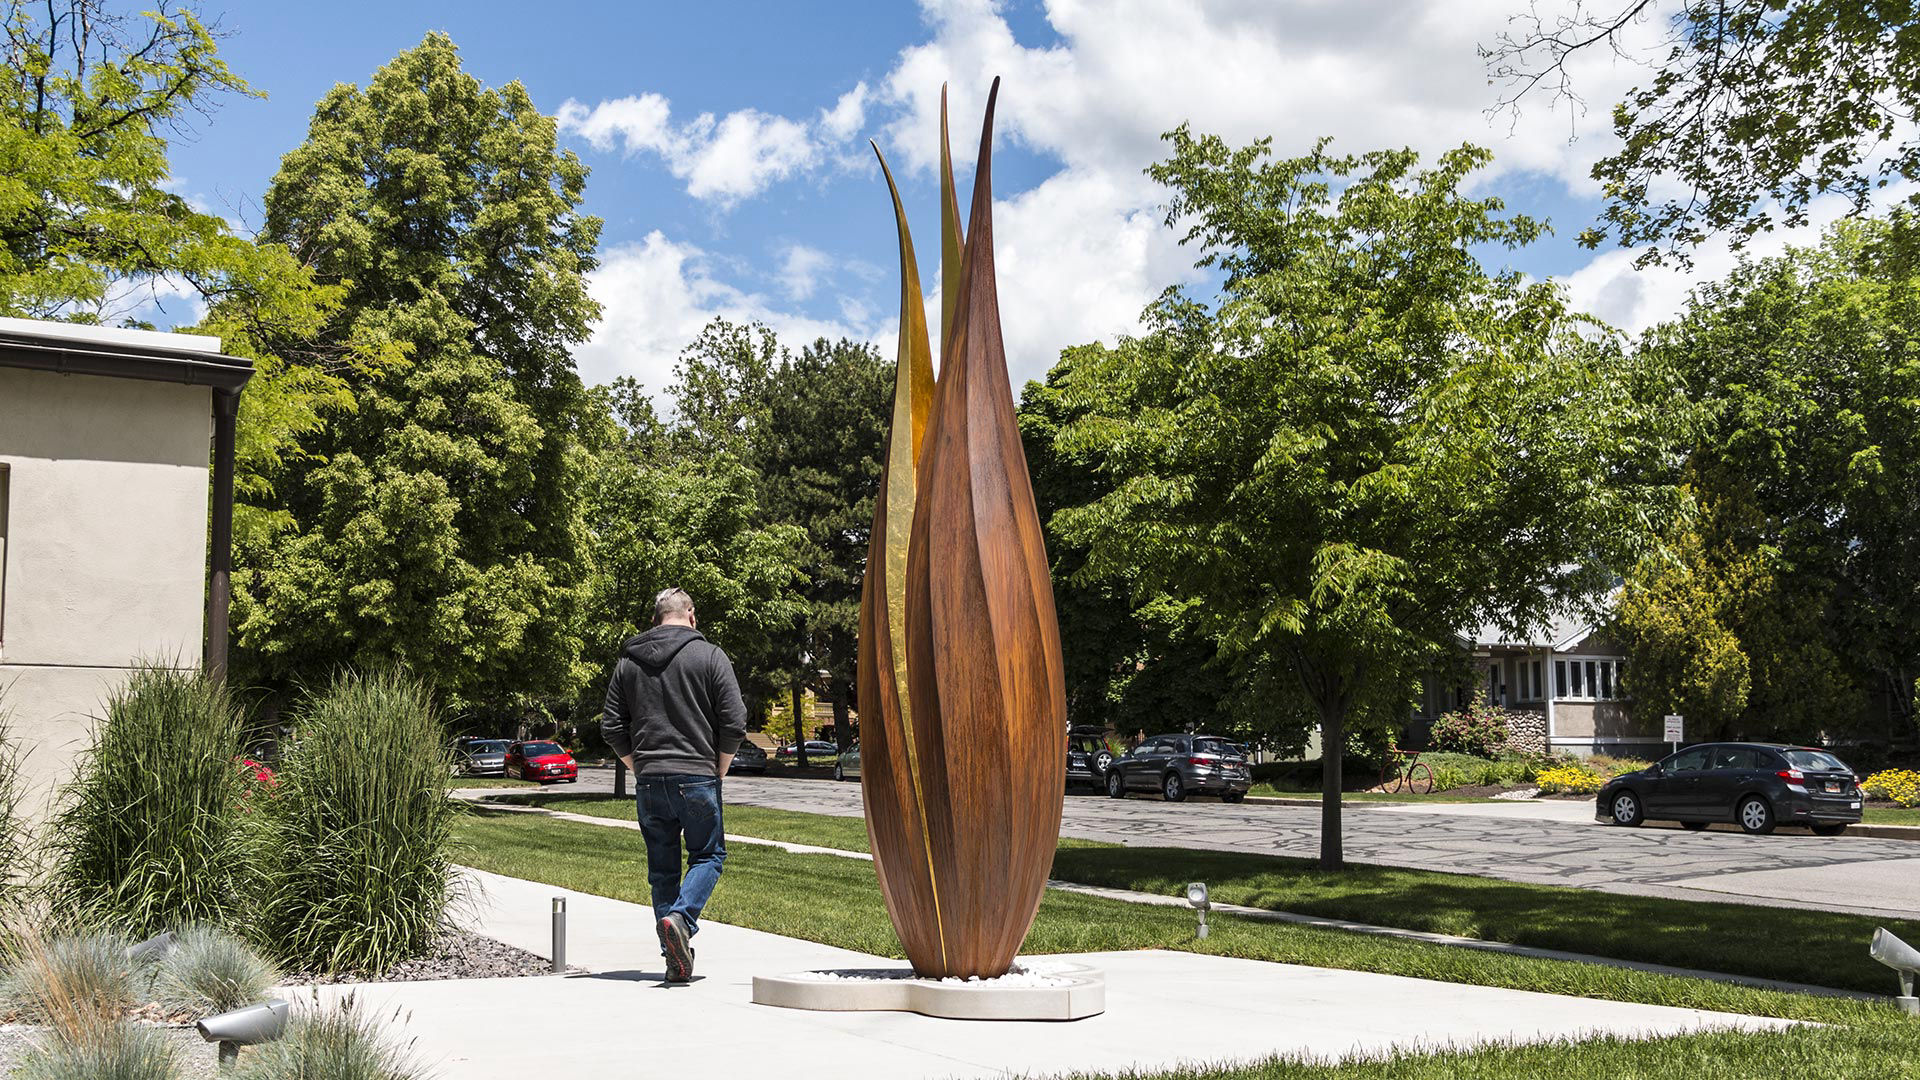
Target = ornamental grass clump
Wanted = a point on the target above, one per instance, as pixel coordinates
(338, 1043)
(356, 840)
(115, 1051)
(76, 985)
(150, 835)
(210, 971)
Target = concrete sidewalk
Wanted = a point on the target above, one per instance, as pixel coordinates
(621, 1019)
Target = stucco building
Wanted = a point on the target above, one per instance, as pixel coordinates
(106, 442)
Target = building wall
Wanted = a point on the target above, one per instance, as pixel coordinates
(106, 547)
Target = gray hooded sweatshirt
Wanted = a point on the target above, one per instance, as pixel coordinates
(673, 703)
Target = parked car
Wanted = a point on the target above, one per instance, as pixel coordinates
(749, 758)
(1088, 757)
(479, 757)
(1181, 765)
(543, 761)
(816, 748)
(1754, 785)
(847, 765)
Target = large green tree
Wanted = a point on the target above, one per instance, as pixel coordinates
(1805, 370)
(1754, 108)
(93, 230)
(439, 524)
(1370, 443)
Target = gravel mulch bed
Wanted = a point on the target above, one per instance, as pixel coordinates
(199, 1058)
(457, 954)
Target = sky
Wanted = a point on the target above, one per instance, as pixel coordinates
(728, 143)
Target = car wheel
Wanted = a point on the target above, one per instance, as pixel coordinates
(1234, 797)
(1626, 809)
(839, 773)
(1116, 785)
(1693, 826)
(1756, 815)
(1830, 830)
(1102, 761)
(1173, 789)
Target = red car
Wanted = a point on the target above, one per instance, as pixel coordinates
(542, 761)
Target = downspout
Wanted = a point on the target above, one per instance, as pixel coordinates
(226, 410)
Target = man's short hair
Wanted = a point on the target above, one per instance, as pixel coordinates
(673, 601)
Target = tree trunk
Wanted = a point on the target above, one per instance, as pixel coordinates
(1333, 750)
(799, 728)
(842, 727)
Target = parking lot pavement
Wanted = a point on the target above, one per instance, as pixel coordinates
(1857, 874)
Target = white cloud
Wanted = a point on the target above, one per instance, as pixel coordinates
(657, 294)
(801, 269)
(722, 160)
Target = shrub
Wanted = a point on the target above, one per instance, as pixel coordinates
(1608, 765)
(1568, 780)
(15, 852)
(356, 844)
(77, 985)
(150, 836)
(329, 1044)
(1902, 786)
(210, 971)
(117, 1051)
(1446, 778)
(1479, 729)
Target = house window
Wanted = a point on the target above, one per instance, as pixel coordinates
(1590, 679)
(1493, 683)
(1559, 678)
(1535, 688)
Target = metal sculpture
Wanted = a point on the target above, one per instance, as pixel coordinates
(962, 696)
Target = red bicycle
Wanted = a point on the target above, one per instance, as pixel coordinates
(1404, 771)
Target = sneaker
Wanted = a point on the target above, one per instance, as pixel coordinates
(678, 950)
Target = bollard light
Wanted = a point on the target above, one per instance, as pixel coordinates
(245, 1027)
(1904, 959)
(559, 950)
(1197, 898)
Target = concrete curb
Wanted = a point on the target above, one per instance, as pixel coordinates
(1266, 915)
(1868, 829)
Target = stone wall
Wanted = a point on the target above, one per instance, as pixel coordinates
(1526, 731)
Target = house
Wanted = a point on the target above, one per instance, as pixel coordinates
(1565, 679)
(106, 439)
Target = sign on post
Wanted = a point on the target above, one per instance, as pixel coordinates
(1676, 730)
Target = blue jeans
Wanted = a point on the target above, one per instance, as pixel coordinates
(669, 806)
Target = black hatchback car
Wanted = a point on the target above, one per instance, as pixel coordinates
(1181, 765)
(1754, 785)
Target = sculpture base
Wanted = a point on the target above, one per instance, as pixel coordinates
(1036, 990)
(1908, 1005)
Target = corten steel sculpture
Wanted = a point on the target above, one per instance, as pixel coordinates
(962, 697)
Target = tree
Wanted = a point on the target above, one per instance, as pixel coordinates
(1129, 666)
(1370, 443)
(1675, 617)
(439, 524)
(816, 451)
(1750, 101)
(1809, 457)
(90, 232)
(657, 519)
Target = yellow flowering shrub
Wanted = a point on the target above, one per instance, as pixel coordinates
(1567, 780)
(1900, 785)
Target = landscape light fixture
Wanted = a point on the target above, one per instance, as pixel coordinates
(1197, 897)
(260, 1023)
(1904, 959)
(152, 949)
(559, 952)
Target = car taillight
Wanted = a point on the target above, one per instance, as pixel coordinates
(1203, 763)
(1792, 776)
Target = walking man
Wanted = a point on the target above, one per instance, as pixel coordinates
(674, 716)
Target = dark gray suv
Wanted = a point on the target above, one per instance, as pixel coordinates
(1753, 785)
(1181, 765)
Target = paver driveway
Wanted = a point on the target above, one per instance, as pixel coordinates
(1861, 874)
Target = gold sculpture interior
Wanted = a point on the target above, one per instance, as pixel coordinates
(962, 696)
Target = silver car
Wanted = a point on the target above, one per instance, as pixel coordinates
(1181, 765)
(480, 757)
(847, 765)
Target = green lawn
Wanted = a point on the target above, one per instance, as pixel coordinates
(834, 901)
(1682, 933)
(1892, 815)
(1268, 791)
